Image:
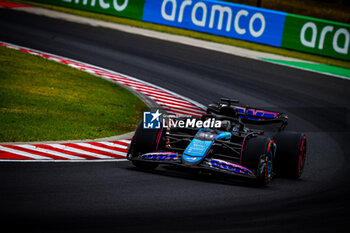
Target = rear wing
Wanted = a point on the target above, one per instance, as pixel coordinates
(252, 115)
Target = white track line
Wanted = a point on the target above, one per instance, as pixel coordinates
(167, 99)
(67, 148)
(101, 149)
(113, 145)
(177, 107)
(125, 140)
(46, 151)
(26, 154)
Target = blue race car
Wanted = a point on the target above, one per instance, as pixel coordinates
(233, 148)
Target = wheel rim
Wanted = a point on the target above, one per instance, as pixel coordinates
(269, 159)
(268, 163)
(266, 175)
(302, 156)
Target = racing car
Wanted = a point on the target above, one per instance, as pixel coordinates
(233, 149)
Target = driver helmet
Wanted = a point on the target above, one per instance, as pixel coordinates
(225, 125)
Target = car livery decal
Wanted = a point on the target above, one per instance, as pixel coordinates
(255, 112)
(230, 167)
(160, 156)
(196, 150)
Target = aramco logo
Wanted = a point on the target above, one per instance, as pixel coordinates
(326, 33)
(202, 16)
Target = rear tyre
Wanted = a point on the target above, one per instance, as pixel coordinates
(145, 141)
(258, 155)
(290, 154)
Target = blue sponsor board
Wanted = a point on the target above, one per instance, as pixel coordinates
(218, 18)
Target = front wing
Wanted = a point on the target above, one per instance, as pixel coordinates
(213, 164)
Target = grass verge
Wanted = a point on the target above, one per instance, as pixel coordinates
(198, 35)
(44, 100)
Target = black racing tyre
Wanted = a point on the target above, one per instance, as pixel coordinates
(290, 154)
(258, 155)
(145, 141)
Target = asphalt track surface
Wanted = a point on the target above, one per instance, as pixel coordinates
(115, 196)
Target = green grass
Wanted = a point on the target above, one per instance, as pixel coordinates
(198, 35)
(45, 100)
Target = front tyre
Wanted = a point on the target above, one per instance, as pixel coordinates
(145, 141)
(258, 155)
(144, 165)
